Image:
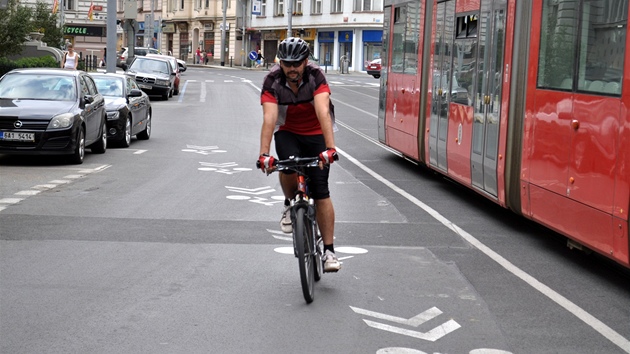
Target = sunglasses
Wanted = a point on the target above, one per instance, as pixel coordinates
(291, 64)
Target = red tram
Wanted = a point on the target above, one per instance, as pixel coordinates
(524, 101)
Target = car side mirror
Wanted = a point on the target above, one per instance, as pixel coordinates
(173, 73)
(135, 93)
(88, 99)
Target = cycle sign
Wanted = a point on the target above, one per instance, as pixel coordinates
(253, 55)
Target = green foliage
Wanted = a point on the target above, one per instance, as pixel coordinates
(45, 22)
(7, 65)
(15, 24)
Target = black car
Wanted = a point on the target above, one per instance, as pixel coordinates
(51, 112)
(128, 108)
(155, 76)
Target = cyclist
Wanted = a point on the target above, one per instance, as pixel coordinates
(298, 114)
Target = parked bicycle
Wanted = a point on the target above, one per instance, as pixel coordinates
(308, 246)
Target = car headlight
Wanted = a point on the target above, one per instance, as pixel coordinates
(113, 115)
(61, 121)
(163, 82)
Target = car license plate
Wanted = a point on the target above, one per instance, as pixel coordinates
(144, 86)
(17, 136)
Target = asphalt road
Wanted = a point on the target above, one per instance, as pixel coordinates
(173, 246)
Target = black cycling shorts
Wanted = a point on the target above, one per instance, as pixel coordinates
(291, 144)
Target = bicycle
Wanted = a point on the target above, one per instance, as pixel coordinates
(308, 245)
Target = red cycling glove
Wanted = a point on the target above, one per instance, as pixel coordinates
(265, 162)
(329, 156)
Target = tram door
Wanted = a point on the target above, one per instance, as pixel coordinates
(487, 110)
(441, 83)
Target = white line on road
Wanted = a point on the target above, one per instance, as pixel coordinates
(202, 94)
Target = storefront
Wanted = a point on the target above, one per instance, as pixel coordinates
(345, 46)
(87, 40)
(326, 42)
(372, 45)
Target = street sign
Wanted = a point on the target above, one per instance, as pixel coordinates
(253, 55)
(227, 26)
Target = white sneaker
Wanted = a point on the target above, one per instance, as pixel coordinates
(285, 222)
(331, 263)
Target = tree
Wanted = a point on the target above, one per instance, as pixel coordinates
(45, 22)
(15, 24)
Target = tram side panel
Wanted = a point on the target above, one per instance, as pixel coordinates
(404, 77)
(572, 127)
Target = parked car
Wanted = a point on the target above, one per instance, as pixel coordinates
(155, 76)
(128, 108)
(374, 68)
(51, 112)
(175, 67)
(182, 65)
(123, 54)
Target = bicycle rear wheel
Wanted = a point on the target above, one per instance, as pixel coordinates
(305, 252)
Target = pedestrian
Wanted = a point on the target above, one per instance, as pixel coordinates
(70, 59)
(198, 54)
(104, 57)
(259, 59)
(299, 117)
(203, 57)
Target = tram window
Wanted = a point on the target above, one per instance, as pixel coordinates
(602, 46)
(558, 37)
(466, 26)
(596, 45)
(405, 38)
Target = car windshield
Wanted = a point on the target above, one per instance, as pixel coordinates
(109, 86)
(38, 87)
(171, 60)
(149, 66)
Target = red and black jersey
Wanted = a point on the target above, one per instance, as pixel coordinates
(296, 113)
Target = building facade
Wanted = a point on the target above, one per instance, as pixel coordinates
(341, 32)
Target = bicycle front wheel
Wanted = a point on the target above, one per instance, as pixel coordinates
(305, 251)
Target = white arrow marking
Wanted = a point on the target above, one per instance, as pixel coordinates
(432, 335)
(263, 201)
(223, 165)
(413, 322)
(202, 147)
(254, 191)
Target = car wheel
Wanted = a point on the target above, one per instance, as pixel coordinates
(146, 133)
(376, 76)
(79, 148)
(100, 146)
(170, 92)
(126, 141)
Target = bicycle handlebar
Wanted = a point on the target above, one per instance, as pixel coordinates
(294, 163)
